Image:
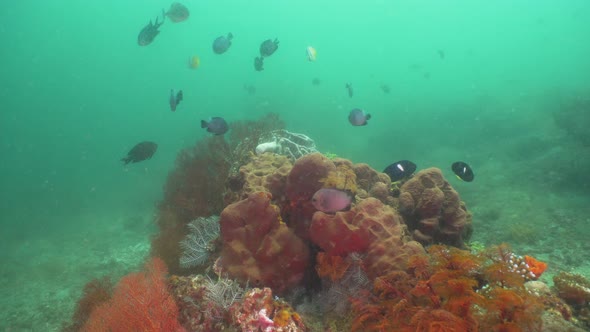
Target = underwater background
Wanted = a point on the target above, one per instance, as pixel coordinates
(501, 85)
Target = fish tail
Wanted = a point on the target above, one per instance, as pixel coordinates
(368, 116)
(204, 124)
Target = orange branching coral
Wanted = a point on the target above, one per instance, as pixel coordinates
(331, 266)
(511, 309)
(419, 266)
(449, 290)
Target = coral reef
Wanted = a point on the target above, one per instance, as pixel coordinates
(258, 248)
(433, 210)
(363, 268)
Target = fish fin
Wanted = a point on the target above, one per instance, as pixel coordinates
(230, 36)
(179, 96)
(204, 124)
(126, 160)
(368, 117)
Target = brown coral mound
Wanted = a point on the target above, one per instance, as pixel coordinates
(372, 184)
(258, 248)
(433, 210)
(267, 172)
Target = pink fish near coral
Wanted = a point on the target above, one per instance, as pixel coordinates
(331, 200)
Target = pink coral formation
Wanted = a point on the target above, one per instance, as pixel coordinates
(258, 311)
(258, 248)
(433, 210)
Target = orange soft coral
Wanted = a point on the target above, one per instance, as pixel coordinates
(331, 266)
(535, 266)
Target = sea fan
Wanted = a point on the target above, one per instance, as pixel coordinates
(197, 244)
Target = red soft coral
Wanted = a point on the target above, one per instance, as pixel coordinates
(140, 302)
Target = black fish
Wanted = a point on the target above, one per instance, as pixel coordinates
(149, 32)
(349, 88)
(175, 100)
(259, 63)
(463, 171)
(400, 169)
(140, 152)
(222, 43)
(215, 125)
(268, 47)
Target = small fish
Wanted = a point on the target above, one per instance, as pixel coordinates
(316, 81)
(222, 43)
(358, 117)
(311, 53)
(250, 88)
(215, 125)
(140, 152)
(268, 47)
(385, 88)
(148, 33)
(194, 62)
(400, 169)
(441, 54)
(177, 12)
(349, 88)
(259, 63)
(175, 99)
(463, 171)
(331, 200)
